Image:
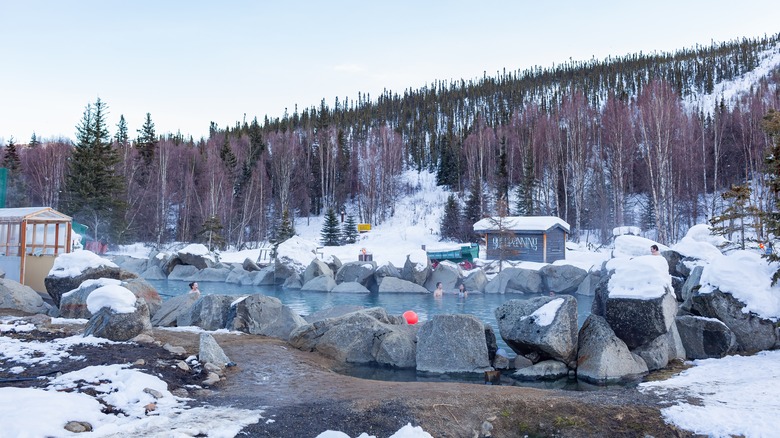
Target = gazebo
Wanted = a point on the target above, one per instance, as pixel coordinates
(30, 240)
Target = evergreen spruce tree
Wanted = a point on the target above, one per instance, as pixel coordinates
(771, 125)
(287, 227)
(121, 136)
(331, 234)
(450, 227)
(472, 212)
(16, 189)
(94, 190)
(147, 141)
(34, 142)
(349, 231)
(285, 231)
(210, 233)
(732, 220)
(525, 190)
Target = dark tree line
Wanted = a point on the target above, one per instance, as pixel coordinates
(592, 142)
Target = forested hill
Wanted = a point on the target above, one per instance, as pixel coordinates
(645, 139)
(451, 108)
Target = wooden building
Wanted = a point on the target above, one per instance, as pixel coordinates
(30, 239)
(526, 238)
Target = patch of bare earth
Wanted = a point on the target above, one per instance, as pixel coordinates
(302, 396)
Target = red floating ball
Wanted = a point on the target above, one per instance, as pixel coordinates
(410, 317)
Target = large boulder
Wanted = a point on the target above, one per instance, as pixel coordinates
(132, 264)
(183, 273)
(705, 338)
(475, 280)
(358, 338)
(333, 263)
(387, 270)
(602, 357)
(242, 276)
(317, 268)
(753, 332)
(359, 272)
(639, 321)
(16, 296)
(209, 312)
(142, 289)
(73, 304)
(562, 278)
(452, 343)
(516, 280)
(265, 277)
(544, 370)
(218, 273)
(417, 267)
(398, 348)
(209, 351)
(397, 285)
(658, 352)
(125, 318)
(319, 284)
(166, 262)
(445, 272)
(196, 254)
(589, 283)
(173, 309)
(637, 300)
(692, 283)
(263, 315)
(350, 287)
(154, 272)
(68, 272)
(332, 312)
(249, 265)
(545, 327)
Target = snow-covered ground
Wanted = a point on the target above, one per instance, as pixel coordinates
(716, 397)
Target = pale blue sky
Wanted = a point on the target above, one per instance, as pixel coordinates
(191, 62)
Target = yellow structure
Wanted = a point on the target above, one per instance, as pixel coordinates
(30, 240)
(362, 228)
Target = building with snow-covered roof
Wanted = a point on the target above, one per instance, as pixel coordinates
(30, 240)
(527, 238)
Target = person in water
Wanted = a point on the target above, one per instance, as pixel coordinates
(462, 291)
(439, 292)
(194, 288)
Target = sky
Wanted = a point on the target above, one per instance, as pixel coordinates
(189, 63)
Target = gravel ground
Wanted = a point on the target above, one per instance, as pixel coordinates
(302, 396)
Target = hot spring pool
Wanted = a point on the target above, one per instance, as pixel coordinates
(482, 306)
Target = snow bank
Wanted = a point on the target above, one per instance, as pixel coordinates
(198, 249)
(297, 250)
(644, 278)
(633, 246)
(74, 263)
(736, 396)
(746, 276)
(44, 412)
(407, 431)
(700, 243)
(115, 297)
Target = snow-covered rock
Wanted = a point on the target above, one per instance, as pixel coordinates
(544, 326)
